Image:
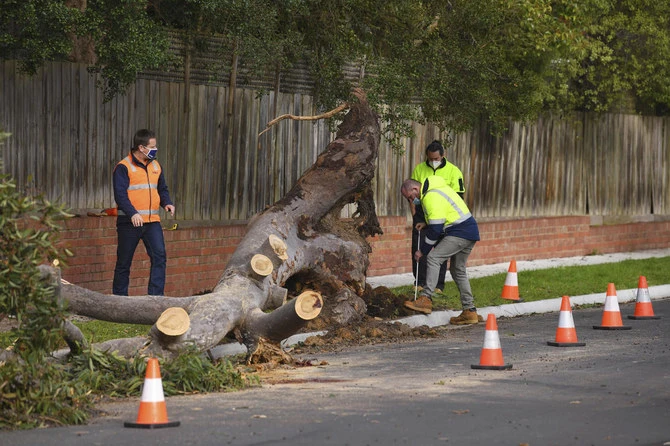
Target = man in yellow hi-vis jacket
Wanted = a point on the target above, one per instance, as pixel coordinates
(451, 233)
(436, 164)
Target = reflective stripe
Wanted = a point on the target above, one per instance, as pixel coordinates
(611, 304)
(448, 198)
(130, 164)
(430, 242)
(142, 212)
(462, 215)
(143, 186)
(565, 320)
(438, 221)
(460, 220)
(491, 339)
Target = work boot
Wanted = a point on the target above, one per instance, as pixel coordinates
(467, 317)
(438, 290)
(423, 304)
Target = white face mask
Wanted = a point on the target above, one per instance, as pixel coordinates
(436, 164)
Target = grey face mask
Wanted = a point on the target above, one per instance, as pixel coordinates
(416, 202)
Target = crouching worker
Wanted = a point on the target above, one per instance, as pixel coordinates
(451, 233)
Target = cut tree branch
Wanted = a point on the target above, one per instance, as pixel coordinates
(328, 114)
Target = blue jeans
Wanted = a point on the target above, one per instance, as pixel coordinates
(129, 236)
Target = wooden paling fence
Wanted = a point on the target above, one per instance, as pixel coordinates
(65, 142)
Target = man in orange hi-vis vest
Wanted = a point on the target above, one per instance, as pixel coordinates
(140, 191)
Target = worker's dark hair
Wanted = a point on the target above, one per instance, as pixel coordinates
(142, 138)
(407, 185)
(435, 146)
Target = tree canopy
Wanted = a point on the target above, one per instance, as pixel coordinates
(451, 62)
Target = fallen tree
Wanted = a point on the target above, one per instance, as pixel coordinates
(299, 259)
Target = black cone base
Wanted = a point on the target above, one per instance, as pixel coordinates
(491, 367)
(566, 344)
(150, 425)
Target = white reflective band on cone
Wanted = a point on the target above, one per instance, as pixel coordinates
(565, 320)
(511, 280)
(491, 339)
(643, 295)
(152, 392)
(611, 303)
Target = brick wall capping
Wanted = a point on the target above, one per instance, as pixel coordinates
(598, 220)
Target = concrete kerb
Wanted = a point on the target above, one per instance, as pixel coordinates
(441, 318)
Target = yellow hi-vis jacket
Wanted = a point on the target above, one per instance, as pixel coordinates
(143, 189)
(452, 175)
(446, 213)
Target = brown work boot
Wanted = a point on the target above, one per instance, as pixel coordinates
(467, 317)
(422, 304)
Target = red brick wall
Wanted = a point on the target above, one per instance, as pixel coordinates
(527, 239)
(197, 254)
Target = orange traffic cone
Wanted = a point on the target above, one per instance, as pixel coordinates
(511, 288)
(491, 357)
(643, 309)
(611, 315)
(152, 413)
(566, 335)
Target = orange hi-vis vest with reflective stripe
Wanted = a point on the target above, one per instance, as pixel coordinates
(143, 189)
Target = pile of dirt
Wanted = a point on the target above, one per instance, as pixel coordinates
(382, 303)
(374, 328)
(367, 331)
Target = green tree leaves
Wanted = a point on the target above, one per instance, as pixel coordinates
(36, 31)
(28, 238)
(628, 62)
(448, 62)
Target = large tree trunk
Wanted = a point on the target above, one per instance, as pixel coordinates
(325, 255)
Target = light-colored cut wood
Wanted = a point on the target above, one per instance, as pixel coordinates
(173, 322)
(308, 305)
(261, 265)
(278, 246)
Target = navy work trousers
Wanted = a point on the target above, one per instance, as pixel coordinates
(129, 236)
(422, 266)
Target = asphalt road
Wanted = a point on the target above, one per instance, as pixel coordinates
(613, 391)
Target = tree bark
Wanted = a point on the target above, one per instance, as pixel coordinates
(310, 247)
